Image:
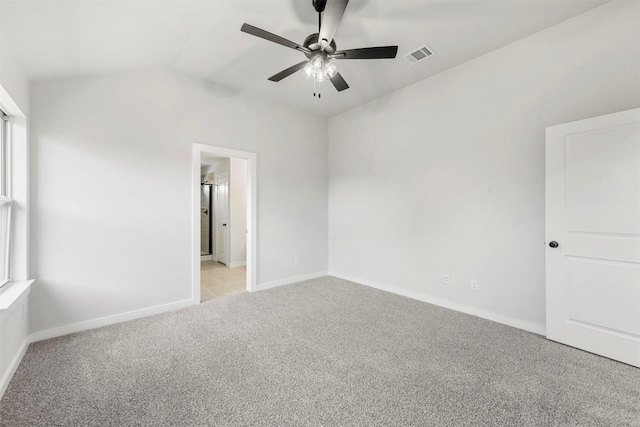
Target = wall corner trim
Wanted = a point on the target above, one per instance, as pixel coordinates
(485, 314)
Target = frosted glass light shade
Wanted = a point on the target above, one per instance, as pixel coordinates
(308, 71)
(316, 63)
(330, 69)
(320, 69)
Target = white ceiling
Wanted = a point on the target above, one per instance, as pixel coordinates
(81, 37)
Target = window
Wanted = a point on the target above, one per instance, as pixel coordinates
(5, 198)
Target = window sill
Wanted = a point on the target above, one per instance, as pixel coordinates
(12, 291)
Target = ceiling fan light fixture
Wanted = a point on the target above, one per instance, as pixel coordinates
(320, 68)
(330, 68)
(308, 71)
(321, 76)
(316, 63)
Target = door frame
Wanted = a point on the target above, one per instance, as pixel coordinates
(252, 219)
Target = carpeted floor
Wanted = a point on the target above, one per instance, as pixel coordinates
(323, 352)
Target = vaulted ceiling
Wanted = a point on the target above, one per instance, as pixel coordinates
(55, 38)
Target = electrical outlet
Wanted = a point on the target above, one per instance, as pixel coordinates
(297, 261)
(474, 285)
(445, 279)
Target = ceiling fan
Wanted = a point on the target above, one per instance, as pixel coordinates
(320, 48)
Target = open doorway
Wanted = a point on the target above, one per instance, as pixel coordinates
(224, 222)
(223, 226)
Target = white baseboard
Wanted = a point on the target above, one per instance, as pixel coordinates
(109, 320)
(485, 314)
(289, 280)
(206, 258)
(237, 264)
(13, 366)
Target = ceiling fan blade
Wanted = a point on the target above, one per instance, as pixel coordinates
(339, 83)
(331, 18)
(286, 73)
(255, 31)
(367, 53)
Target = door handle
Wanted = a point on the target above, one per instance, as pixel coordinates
(553, 244)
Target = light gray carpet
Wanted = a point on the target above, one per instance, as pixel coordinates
(323, 352)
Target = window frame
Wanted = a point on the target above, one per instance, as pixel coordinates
(5, 193)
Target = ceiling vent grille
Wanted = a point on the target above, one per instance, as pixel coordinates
(423, 52)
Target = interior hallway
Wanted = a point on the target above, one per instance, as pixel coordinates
(217, 280)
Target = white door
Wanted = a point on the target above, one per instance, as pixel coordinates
(222, 217)
(593, 214)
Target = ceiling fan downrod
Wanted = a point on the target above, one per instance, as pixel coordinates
(319, 6)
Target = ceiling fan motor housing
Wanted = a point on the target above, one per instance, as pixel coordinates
(311, 43)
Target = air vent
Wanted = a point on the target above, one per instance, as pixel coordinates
(423, 52)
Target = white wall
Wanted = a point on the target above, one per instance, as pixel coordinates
(238, 212)
(12, 78)
(111, 190)
(14, 333)
(447, 176)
